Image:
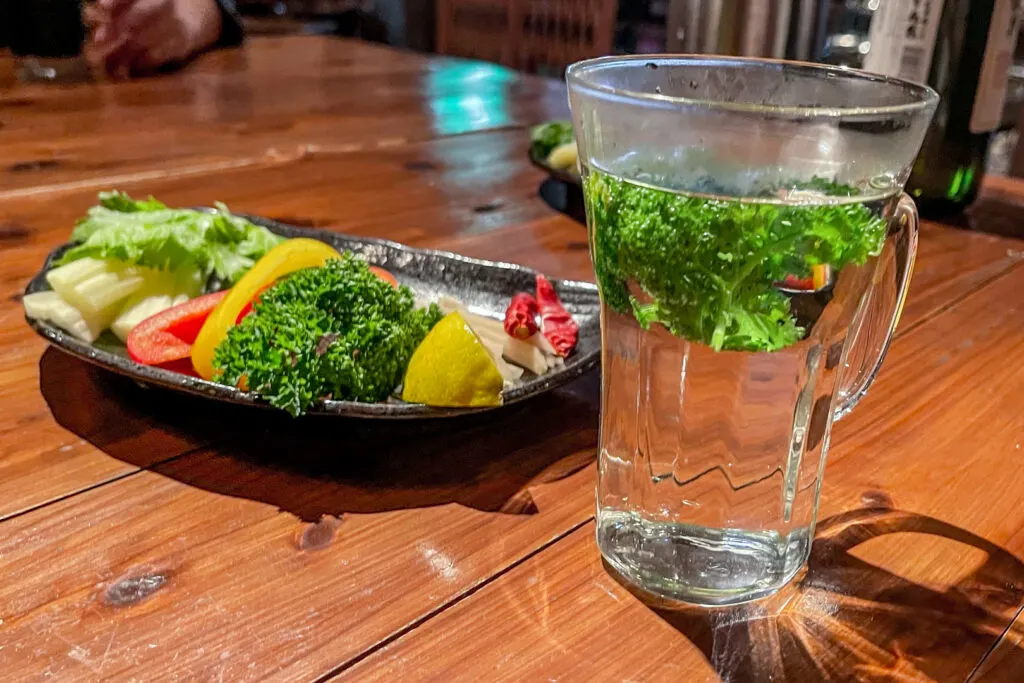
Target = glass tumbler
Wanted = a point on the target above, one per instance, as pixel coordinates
(753, 248)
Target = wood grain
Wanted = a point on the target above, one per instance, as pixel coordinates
(291, 548)
(41, 460)
(273, 100)
(474, 194)
(916, 569)
(563, 618)
(455, 186)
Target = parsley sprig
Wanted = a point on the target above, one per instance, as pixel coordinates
(707, 268)
(337, 331)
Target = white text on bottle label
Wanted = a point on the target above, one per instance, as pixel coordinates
(902, 38)
(995, 66)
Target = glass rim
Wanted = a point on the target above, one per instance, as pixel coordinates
(923, 97)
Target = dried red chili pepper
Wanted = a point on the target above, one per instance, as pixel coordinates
(521, 316)
(557, 324)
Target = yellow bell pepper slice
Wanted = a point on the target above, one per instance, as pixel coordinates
(819, 273)
(287, 257)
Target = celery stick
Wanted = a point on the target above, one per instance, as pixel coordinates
(50, 307)
(161, 290)
(106, 292)
(64, 278)
(135, 311)
(101, 293)
(38, 305)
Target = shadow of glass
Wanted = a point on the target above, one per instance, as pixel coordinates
(846, 619)
(318, 466)
(1006, 663)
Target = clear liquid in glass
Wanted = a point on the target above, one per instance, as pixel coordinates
(710, 462)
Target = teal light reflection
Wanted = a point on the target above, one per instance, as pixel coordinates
(465, 96)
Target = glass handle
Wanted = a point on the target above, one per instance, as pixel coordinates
(879, 316)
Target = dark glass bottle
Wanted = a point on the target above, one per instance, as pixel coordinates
(963, 49)
(949, 169)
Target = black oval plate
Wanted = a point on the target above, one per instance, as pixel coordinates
(484, 286)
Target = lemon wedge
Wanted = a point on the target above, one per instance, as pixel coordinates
(452, 368)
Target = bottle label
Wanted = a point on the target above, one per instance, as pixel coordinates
(902, 38)
(995, 66)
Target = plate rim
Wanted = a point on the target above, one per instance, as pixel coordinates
(563, 175)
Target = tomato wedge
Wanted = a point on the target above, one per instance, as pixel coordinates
(168, 336)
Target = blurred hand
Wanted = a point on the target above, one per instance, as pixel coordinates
(137, 36)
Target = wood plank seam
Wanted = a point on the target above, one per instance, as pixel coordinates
(107, 181)
(105, 482)
(314, 149)
(468, 593)
(995, 646)
(271, 157)
(955, 301)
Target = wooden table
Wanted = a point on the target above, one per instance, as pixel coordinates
(146, 536)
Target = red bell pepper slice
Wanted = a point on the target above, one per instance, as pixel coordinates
(818, 278)
(168, 336)
(384, 275)
(794, 282)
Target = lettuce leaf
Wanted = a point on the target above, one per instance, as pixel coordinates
(150, 234)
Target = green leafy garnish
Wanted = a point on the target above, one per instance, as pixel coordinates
(547, 136)
(706, 268)
(150, 234)
(337, 331)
